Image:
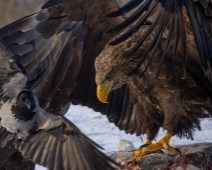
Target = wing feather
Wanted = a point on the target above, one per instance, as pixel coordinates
(194, 13)
(36, 56)
(134, 17)
(72, 150)
(12, 79)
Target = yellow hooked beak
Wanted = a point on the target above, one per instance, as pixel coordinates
(103, 91)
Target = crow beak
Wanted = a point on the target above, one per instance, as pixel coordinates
(28, 104)
(103, 91)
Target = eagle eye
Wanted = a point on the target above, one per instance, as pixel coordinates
(108, 76)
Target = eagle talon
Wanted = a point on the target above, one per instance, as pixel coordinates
(133, 160)
(143, 146)
(161, 151)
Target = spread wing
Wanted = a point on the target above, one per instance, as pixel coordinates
(178, 22)
(73, 78)
(28, 58)
(82, 152)
(64, 148)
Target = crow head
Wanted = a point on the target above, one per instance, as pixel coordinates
(25, 99)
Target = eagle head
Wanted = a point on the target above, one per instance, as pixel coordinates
(111, 72)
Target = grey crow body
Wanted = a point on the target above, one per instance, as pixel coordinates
(22, 113)
(18, 114)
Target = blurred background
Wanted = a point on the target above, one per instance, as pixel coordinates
(13, 10)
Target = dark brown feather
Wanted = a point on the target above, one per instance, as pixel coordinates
(171, 102)
(197, 13)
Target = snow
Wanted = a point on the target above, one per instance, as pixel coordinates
(96, 126)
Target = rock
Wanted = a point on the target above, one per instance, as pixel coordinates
(199, 154)
(155, 161)
(187, 167)
(194, 157)
(124, 145)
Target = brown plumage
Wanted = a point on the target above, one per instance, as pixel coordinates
(58, 46)
(173, 103)
(165, 61)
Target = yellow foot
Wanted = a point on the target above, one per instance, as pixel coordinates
(143, 152)
(148, 148)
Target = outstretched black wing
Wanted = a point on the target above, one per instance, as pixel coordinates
(176, 21)
(64, 148)
(35, 55)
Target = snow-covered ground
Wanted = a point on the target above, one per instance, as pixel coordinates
(96, 126)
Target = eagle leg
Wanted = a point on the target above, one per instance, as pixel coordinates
(148, 147)
(147, 143)
(139, 152)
